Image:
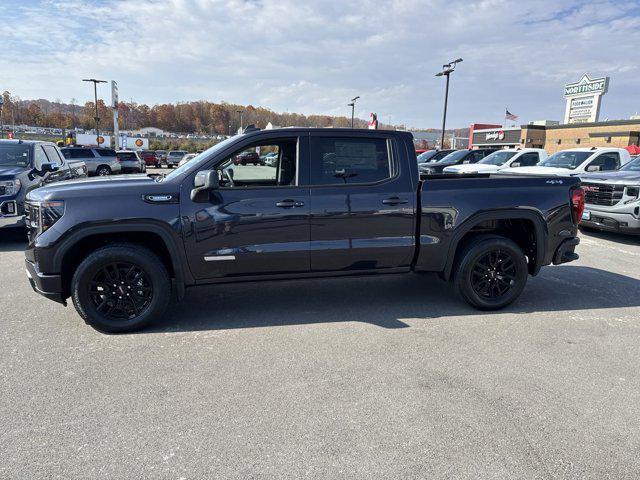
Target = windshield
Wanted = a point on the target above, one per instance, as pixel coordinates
(14, 156)
(216, 148)
(454, 156)
(497, 158)
(426, 156)
(632, 166)
(566, 159)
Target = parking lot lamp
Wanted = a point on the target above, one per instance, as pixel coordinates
(95, 96)
(447, 69)
(353, 108)
(239, 112)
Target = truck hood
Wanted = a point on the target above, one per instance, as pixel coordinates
(98, 187)
(619, 177)
(9, 172)
(539, 171)
(471, 168)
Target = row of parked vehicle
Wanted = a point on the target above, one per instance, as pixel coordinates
(610, 177)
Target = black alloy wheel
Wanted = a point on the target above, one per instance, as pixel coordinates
(121, 287)
(493, 274)
(490, 271)
(121, 291)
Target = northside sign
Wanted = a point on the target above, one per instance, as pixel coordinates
(587, 86)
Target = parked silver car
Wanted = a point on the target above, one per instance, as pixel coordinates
(99, 161)
(131, 162)
(174, 157)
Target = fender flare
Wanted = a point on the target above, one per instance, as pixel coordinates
(177, 256)
(540, 226)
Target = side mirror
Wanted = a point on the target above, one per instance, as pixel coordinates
(205, 181)
(594, 168)
(515, 164)
(46, 167)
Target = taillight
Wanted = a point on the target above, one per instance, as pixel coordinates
(577, 204)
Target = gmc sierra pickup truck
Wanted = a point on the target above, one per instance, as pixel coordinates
(339, 202)
(25, 165)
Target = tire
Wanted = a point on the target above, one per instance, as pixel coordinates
(103, 171)
(145, 291)
(481, 277)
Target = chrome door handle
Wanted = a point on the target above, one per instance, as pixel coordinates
(289, 204)
(394, 201)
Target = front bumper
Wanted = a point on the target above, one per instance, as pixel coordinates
(11, 214)
(49, 286)
(612, 222)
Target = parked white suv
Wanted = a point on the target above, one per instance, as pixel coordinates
(576, 161)
(612, 199)
(511, 158)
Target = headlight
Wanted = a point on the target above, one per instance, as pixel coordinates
(632, 191)
(42, 216)
(10, 187)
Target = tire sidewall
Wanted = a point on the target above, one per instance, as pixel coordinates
(152, 266)
(473, 254)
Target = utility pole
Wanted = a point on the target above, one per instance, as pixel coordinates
(447, 69)
(353, 108)
(95, 96)
(1, 115)
(240, 112)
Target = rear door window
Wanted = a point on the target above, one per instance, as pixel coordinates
(106, 152)
(607, 161)
(344, 160)
(528, 159)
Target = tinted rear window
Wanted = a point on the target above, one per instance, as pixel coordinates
(78, 153)
(127, 156)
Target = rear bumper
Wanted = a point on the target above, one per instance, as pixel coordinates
(566, 251)
(49, 286)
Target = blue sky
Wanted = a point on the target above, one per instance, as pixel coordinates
(313, 56)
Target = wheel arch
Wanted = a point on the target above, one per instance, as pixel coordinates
(502, 222)
(149, 235)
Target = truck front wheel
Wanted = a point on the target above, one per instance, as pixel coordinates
(491, 272)
(120, 288)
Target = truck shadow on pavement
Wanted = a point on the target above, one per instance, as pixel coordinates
(13, 240)
(384, 301)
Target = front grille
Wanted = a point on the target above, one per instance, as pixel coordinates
(602, 193)
(32, 215)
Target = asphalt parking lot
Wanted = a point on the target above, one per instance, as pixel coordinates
(390, 377)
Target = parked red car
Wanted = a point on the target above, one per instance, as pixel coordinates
(248, 157)
(150, 158)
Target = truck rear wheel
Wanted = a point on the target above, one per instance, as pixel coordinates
(491, 272)
(120, 288)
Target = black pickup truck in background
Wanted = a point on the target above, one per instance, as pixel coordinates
(337, 202)
(25, 165)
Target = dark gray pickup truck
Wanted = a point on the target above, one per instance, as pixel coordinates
(25, 165)
(337, 202)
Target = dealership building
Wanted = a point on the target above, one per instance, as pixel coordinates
(616, 133)
(581, 126)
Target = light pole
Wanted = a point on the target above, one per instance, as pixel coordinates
(239, 112)
(353, 108)
(95, 96)
(446, 71)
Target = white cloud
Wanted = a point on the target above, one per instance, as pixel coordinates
(311, 57)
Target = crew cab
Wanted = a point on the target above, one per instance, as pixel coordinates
(576, 161)
(340, 202)
(25, 165)
(613, 199)
(500, 159)
(457, 157)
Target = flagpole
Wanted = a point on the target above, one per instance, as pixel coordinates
(506, 109)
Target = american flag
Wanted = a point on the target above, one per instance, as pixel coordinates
(510, 116)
